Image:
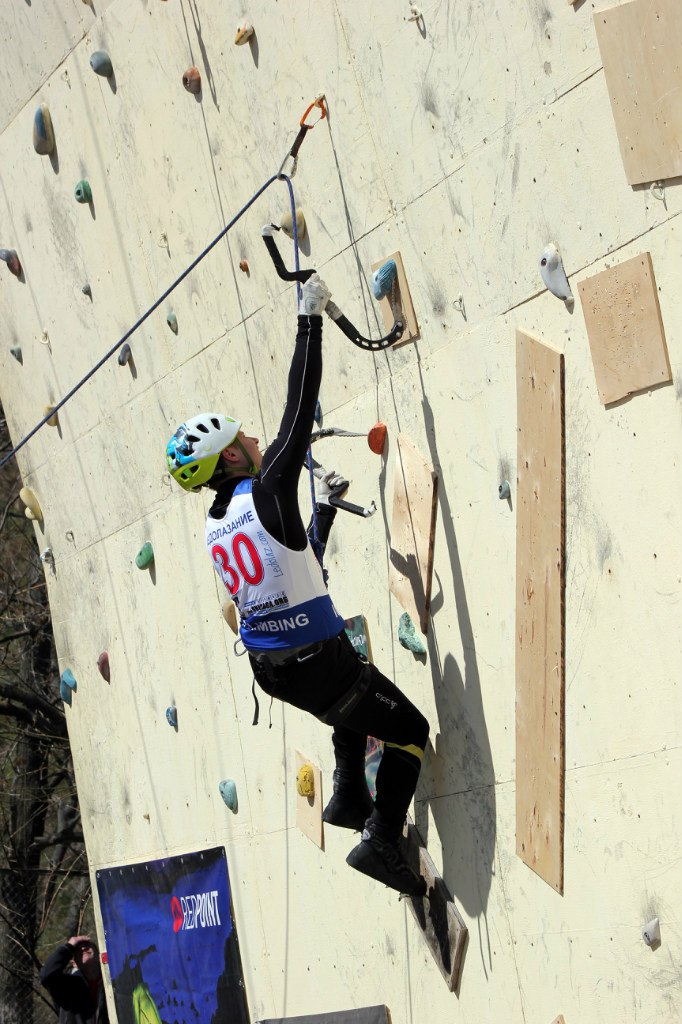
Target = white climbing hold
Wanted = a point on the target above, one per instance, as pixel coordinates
(651, 933)
(244, 33)
(553, 273)
(286, 224)
(33, 509)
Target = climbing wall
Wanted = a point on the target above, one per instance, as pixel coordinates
(468, 138)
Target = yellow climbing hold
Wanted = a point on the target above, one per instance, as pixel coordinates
(33, 509)
(305, 780)
(230, 615)
(53, 421)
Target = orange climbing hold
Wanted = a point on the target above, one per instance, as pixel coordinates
(376, 439)
(104, 667)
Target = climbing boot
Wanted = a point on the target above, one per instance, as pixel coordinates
(384, 860)
(351, 804)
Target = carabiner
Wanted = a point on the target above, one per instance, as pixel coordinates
(303, 128)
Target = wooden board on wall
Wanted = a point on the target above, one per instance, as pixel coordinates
(402, 304)
(309, 808)
(625, 328)
(641, 48)
(540, 581)
(413, 526)
(363, 1015)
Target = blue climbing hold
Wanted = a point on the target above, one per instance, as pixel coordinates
(100, 62)
(43, 132)
(67, 685)
(172, 716)
(228, 791)
(383, 279)
(318, 412)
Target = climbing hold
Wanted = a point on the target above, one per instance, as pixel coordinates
(145, 556)
(305, 780)
(244, 266)
(318, 412)
(651, 933)
(504, 490)
(33, 509)
(83, 192)
(87, 290)
(408, 636)
(230, 615)
(228, 791)
(376, 439)
(104, 667)
(100, 62)
(192, 80)
(172, 322)
(47, 556)
(67, 684)
(53, 421)
(244, 33)
(286, 224)
(553, 273)
(43, 132)
(9, 256)
(383, 279)
(125, 355)
(172, 716)
(17, 353)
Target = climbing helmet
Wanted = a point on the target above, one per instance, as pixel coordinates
(193, 451)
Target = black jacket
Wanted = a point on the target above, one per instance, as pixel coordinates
(71, 992)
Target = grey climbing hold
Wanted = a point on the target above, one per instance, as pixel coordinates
(17, 353)
(228, 791)
(504, 490)
(145, 556)
(83, 192)
(100, 62)
(125, 355)
(172, 322)
(408, 636)
(172, 716)
(67, 685)
(87, 290)
(383, 279)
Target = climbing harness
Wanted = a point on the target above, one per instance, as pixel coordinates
(332, 310)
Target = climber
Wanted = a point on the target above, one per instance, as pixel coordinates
(295, 638)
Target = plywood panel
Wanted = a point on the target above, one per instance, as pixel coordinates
(540, 583)
(398, 304)
(641, 47)
(624, 325)
(412, 531)
(309, 808)
(444, 930)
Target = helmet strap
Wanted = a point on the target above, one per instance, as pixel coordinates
(248, 470)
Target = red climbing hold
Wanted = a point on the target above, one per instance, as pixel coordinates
(10, 257)
(104, 667)
(192, 80)
(376, 439)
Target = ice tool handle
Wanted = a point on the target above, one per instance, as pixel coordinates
(341, 321)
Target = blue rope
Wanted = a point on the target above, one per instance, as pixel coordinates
(316, 537)
(151, 309)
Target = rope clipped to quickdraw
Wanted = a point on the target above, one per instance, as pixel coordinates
(304, 128)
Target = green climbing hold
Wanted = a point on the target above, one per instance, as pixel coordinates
(145, 556)
(408, 636)
(83, 192)
(100, 62)
(228, 791)
(172, 322)
(43, 132)
(17, 353)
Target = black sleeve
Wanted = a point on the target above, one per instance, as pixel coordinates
(275, 491)
(67, 990)
(326, 515)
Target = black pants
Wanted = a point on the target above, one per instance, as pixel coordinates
(320, 682)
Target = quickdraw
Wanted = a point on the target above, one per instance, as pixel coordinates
(333, 311)
(302, 132)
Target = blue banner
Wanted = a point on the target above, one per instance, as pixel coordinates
(171, 943)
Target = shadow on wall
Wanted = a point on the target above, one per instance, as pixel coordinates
(459, 780)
